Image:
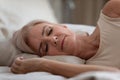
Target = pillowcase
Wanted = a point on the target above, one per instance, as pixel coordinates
(66, 59)
(78, 28)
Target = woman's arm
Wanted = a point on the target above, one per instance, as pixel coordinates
(69, 70)
(112, 8)
(55, 67)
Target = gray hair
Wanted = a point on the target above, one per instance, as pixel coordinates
(20, 37)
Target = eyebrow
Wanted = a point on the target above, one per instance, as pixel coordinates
(40, 45)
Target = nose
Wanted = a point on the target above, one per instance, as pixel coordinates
(51, 39)
(55, 39)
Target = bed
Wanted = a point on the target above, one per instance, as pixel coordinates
(13, 15)
(6, 74)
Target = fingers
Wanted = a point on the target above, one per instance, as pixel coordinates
(16, 66)
(15, 69)
(18, 60)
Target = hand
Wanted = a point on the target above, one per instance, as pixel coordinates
(21, 65)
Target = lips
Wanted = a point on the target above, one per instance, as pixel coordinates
(62, 43)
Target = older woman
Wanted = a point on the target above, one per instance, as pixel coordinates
(45, 38)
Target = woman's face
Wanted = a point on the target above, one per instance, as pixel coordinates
(51, 39)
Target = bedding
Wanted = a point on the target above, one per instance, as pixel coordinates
(6, 74)
(97, 75)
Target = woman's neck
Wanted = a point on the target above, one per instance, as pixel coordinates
(87, 45)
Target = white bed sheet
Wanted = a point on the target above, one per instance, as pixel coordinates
(5, 74)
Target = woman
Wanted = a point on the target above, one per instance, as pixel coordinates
(55, 39)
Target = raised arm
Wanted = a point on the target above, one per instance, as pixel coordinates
(54, 67)
(112, 8)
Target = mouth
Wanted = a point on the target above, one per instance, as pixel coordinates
(62, 43)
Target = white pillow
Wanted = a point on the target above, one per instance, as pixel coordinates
(80, 27)
(66, 58)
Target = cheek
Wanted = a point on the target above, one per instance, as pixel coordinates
(34, 44)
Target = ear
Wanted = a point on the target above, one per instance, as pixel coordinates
(64, 26)
(86, 34)
(82, 33)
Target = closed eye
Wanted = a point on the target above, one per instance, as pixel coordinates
(46, 48)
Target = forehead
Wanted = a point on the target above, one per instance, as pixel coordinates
(37, 30)
(41, 25)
